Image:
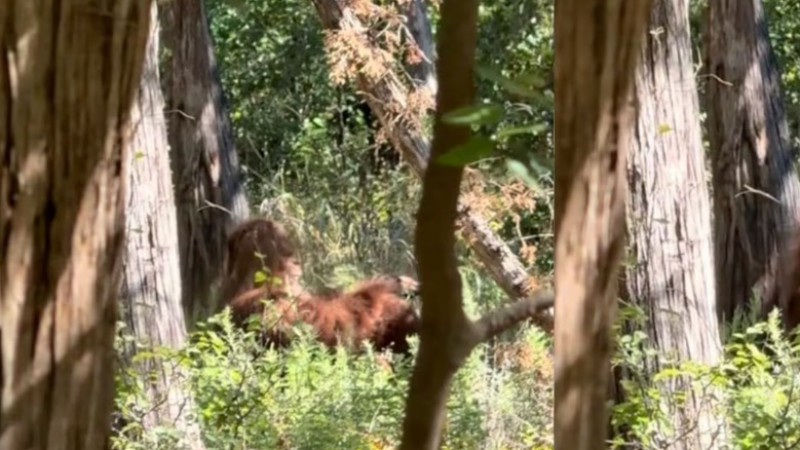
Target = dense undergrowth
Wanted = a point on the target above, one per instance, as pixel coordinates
(310, 398)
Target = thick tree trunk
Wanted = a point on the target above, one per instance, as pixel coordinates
(68, 77)
(756, 190)
(669, 218)
(209, 183)
(388, 97)
(597, 47)
(151, 286)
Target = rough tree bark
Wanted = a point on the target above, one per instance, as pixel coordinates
(756, 190)
(151, 283)
(447, 336)
(597, 46)
(387, 96)
(68, 77)
(669, 219)
(209, 184)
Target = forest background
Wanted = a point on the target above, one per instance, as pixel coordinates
(313, 156)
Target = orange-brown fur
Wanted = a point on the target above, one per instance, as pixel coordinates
(783, 291)
(788, 298)
(374, 311)
(260, 245)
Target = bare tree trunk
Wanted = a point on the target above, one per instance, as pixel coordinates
(209, 183)
(151, 286)
(597, 47)
(669, 219)
(756, 190)
(388, 98)
(68, 77)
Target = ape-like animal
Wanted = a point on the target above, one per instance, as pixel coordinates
(260, 245)
(375, 311)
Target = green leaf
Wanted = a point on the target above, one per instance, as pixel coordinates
(319, 122)
(138, 155)
(475, 149)
(474, 115)
(533, 129)
(521, 171)
(260, 277)
(512, 86)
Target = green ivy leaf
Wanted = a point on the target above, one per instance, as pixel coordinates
(475, 149)
(474, 115)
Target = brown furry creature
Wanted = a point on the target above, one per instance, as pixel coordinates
(375, 311)
(260, 245)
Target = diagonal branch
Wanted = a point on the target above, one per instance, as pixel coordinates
(506, 317)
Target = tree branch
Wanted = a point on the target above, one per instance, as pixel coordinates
(503, 318)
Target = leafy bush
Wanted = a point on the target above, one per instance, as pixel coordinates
(755, 387)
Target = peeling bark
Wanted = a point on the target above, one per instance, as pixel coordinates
(597, 47)
(669, 221)
(68, 76)
(151, 286)
(386, 96)
(756, 190)
(209, 184)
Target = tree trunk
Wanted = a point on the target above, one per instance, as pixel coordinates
(669, 217)
(68, 77)
(597, 47)
(756, 190)
(388, 97)
(151, 286)
(209, 183)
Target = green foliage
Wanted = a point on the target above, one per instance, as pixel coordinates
(783, 20)
(307, 397)
(304, 398)
(755, 387)
(132, 403)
